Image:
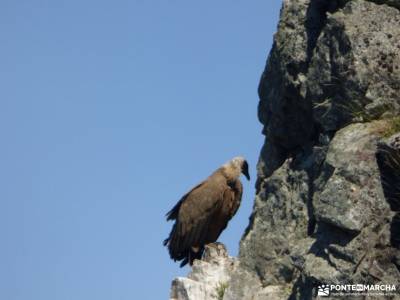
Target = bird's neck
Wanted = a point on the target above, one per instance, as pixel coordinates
(230, 172)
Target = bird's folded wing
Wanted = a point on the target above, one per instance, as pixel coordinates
(197, 212)
(173, 213)
(238, 191)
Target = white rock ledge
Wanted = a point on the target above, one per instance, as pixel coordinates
(208, 276)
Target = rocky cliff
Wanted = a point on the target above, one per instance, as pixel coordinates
(328, 191)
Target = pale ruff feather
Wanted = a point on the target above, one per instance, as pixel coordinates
(233, 168)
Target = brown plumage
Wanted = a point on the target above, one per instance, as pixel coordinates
(204, 212)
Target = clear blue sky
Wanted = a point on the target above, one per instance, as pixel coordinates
(109, 112)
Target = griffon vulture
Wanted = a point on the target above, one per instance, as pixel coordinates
(203, 213)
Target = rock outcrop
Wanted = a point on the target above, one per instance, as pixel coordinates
(209, 277)
(327, 206)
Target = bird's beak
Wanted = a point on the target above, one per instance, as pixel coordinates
(245, 170)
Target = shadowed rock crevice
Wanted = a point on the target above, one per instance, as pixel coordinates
(393, 3)
(395, 231)
(310, 209)
(324, 242)
(388, 158)
(303, 288)
(315, 21)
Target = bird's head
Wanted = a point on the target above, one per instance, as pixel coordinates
(241, 164)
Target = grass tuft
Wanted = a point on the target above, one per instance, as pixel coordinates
(220, 290)
(393, 127)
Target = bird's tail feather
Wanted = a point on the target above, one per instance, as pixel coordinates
(191, 255)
